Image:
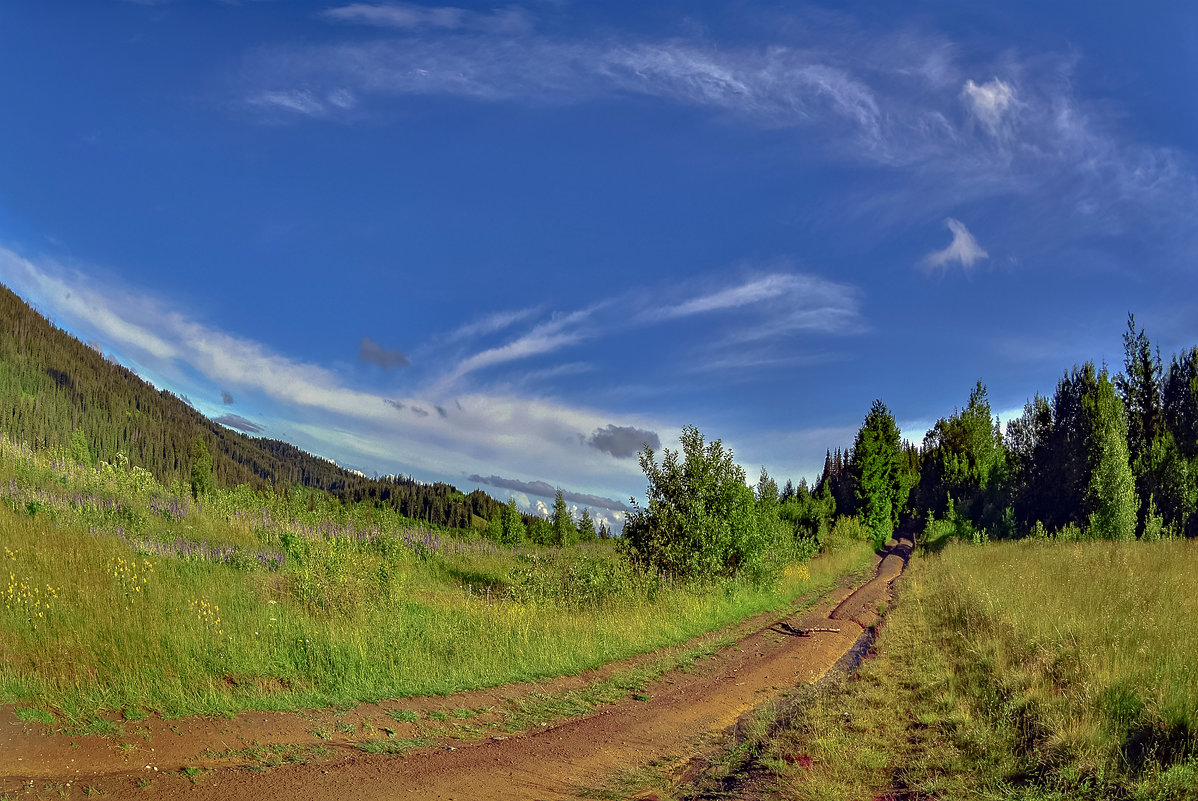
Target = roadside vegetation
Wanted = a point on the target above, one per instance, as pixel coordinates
(123, 594)
(1011, 671)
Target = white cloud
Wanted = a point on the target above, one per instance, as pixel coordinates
(559, 332)
(894, 99)
(415, 17)
(301, 101)
(489, 324)
(755, 291)
(990, 103)
(964, 249)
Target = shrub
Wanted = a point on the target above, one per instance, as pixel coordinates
(701, 522)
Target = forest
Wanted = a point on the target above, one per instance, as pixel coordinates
(1106, 457)
(56, 391)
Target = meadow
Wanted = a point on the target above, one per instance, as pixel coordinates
(1029, 670)
(123, 595)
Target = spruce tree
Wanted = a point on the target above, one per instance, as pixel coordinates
(564, 532)
(586, 527)
(879, 481)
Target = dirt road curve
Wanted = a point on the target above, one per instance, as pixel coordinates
(684, 710)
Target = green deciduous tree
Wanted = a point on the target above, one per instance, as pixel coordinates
(1111, 490)
(80, 451)
(701, 520)
(201, 469)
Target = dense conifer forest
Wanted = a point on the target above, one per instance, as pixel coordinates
(55, 389)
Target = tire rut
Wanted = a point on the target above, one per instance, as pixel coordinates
(682, 712)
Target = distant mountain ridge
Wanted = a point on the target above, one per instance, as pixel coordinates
(52, 384)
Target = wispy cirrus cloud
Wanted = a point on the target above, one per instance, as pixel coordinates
(489, 324)
(987, 125)
(409, 16)
(470, 430)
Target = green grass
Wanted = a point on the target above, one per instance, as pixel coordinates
(89, 624)
(34, 715)
(404, 715)
(1014, 671)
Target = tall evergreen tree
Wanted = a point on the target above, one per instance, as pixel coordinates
(880, 483)
(1141, 389)
(1181, 402)
(965, 458)
(586, 527)
(562, 522)
(513, 531)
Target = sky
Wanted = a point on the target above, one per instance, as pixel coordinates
(505, 246)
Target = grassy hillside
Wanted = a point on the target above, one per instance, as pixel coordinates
(120, 595)
(52, 385)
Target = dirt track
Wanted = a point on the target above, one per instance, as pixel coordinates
(684, 709)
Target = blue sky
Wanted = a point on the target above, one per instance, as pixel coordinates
(499, 245)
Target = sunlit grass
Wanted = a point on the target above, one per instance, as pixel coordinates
(1017, 670)
(346, 617)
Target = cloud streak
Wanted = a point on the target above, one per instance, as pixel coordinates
(408, 16)
(547, 490)
(240, 423)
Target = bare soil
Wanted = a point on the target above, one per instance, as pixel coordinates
(671, 719)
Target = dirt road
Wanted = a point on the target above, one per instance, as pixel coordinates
(670, 719)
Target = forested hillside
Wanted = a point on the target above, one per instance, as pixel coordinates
(52, 386)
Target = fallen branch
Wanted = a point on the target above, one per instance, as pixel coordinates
(810, 631)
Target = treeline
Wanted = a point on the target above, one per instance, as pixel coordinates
(1111, 457)
(53, 388)
(510, 526)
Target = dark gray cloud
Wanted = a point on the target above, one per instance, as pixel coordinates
(441, 411)
(416, 410)
(238, 422)
(623, 441)
(547, 490)
(226, 398)
(394, 404)
(371, 352)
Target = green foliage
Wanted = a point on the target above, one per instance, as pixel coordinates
(964, 458)
(79, 450)
(562, 523)
(201, 469)
(880, 479)
(999, 675)
(586, 527)
(1111, 494)
(365, 606)
(701, 522)
(1069, 459)
(507, 527)
(52, 385)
